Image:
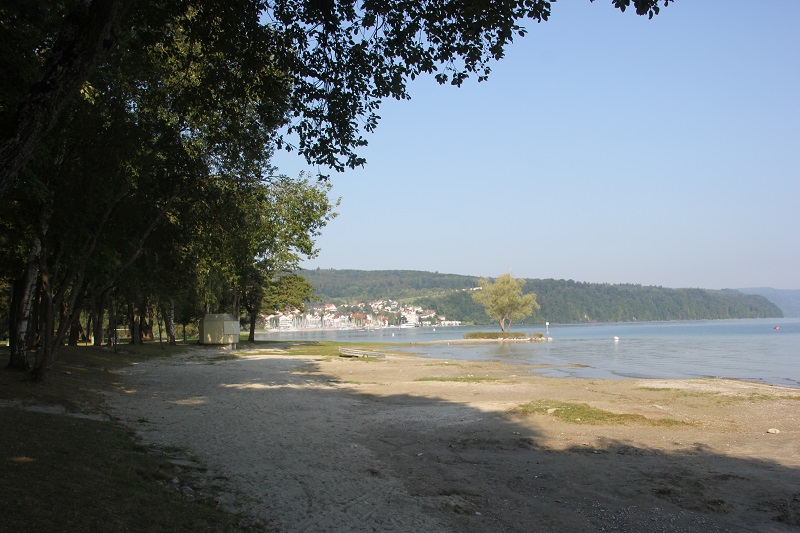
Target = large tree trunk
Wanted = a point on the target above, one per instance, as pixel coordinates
(168, 313)
(252, 336)
(97, 313)
(84, 39)
(74, 334)
(135, 330)
(23, 297)
(235, 303)
(46, 326)
(146, 326)
(112, 322)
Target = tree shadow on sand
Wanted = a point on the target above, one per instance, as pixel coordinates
(304, 452)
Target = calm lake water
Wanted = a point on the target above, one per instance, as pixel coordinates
(740, 349)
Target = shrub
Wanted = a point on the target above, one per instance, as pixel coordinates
(494, 335)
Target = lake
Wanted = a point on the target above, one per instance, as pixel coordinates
(752, 350)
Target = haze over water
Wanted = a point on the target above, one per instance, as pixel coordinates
(739, 349)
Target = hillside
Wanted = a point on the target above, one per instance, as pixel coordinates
(561, 301)
(350, 286)
(787, 299)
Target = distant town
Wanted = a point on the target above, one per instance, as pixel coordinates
(372, 315)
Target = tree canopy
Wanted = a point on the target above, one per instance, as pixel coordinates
(504, 301)
(136, 140)
(330, 63)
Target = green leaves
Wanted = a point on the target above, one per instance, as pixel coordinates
(504, 301)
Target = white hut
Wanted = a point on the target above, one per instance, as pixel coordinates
(219, 329)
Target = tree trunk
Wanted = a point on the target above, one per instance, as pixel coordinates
(74, 334)
(252, 336)
(112, 323)
(46, 325)
(146, 323)
(87, 331)
(235, 303)
(21, 306)
(97, 313)
(84, 39)
(168, 313)
(136, 337)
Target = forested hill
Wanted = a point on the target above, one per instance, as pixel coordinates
(561, 301)
(787, 299)
(349, 286)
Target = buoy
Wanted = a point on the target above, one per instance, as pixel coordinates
(777, 327)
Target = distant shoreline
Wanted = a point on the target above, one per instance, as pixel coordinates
(483, 341)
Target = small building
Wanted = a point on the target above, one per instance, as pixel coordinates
(219, 329)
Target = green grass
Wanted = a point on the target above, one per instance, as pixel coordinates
(312, 348)
(62, 473)
(581, 413)
(467, 379)
(719, 397)
(309, 348)
(681, 393)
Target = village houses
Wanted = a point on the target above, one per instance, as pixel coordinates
(375, 314)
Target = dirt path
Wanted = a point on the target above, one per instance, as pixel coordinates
(307, 444)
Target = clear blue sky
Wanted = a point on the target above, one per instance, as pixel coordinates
(605, 147)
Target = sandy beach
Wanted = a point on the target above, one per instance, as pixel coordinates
(406, 444)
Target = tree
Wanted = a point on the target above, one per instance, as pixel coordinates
(290, 290)
(504, 301)
(341, 59)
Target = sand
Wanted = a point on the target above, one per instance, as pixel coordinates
(313, 444)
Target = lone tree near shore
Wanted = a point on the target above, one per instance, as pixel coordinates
(504, 301)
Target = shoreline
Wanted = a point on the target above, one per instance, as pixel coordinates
(409, 444)
(536, 369)
(743, 349)
(482, 341)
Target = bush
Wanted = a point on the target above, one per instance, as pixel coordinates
(495, 335)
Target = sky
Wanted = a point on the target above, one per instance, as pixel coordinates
(605, 148)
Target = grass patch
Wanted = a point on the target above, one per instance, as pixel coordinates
(719, 397)
(467, 379)
(581, 413)
(682, 393)
(62, 473)
(305, 348)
